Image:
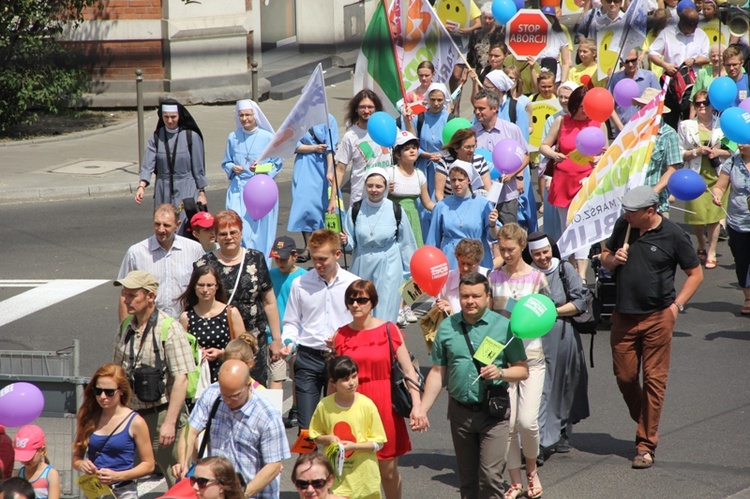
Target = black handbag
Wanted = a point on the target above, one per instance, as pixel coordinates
(400, 392)
(147, 381)
(496, 399)
(586, 321)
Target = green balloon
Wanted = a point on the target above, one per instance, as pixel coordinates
(533, 317)
(453, 126)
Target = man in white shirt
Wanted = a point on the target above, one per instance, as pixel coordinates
(315, 310)
(166, 256)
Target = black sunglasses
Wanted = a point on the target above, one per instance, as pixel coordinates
(630, 61)
(360, 300)
(201, 481)
(109, 392)
(700, 103)
(317, 484)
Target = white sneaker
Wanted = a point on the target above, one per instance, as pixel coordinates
(402, 319)
(409, 315)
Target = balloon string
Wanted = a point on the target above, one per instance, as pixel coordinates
(673, 207)
(720, 206)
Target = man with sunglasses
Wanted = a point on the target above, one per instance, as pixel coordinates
(643, 77)
(644, 251)
(245, 428)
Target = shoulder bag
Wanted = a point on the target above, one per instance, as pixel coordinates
(400, 393)
(586, 321)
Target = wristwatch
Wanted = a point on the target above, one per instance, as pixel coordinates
(519, 177)
(679, 306)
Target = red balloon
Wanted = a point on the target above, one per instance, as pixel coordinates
(598, 104)
(429, 269)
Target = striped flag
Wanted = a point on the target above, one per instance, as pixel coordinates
(376, 66)
(597, 206)
(311, 109)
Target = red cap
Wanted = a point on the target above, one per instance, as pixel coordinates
(202, 219)
(29, 439)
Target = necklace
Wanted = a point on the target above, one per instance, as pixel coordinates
(372, 226)
(515, 291)
(254, 132)
(226, 258)
(460, 216)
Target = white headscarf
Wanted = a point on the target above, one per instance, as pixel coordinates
(501, 81)
(442, 88)
(260, 118)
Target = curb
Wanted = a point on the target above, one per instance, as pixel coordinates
(76, 135)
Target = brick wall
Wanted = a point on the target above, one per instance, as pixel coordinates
(119, 60)
(125, 9)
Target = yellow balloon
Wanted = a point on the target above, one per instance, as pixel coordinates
(540, 111)
(711, 29)
(452, 11)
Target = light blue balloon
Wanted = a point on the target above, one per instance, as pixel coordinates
(503, 10)
(735, 123)
(722, 92)
(684, 4)
(382, 129)
(494, 174)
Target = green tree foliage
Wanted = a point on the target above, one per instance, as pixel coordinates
(36, 73)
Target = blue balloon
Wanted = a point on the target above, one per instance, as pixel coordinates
(686, 184)
(735, 123)
(519, 4)
(722, 92)
(494, 174)
(382, 129)
(503, 10)
(684, 4)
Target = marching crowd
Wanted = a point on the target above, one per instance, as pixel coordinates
(215, 308)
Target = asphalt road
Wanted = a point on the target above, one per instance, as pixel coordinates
(703, 449)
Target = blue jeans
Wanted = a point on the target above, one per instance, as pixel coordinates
(310, 380)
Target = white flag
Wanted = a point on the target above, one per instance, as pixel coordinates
(311, 109)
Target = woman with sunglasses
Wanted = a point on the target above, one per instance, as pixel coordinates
(462, 146)
(109, 434)
(313, 476)
(365, 340)
(700, 145)
(207, 316)
(215, 478)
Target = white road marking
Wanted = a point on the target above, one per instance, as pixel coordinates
(43, 295)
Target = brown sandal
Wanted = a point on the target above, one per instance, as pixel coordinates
(643, 461)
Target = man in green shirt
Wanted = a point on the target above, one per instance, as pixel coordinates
(480, 440)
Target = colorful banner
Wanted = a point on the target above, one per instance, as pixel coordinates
(420, 36)
(596, 207)
(311, 109)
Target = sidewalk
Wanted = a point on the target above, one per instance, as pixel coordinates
(105, 162)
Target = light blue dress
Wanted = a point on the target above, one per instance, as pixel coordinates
(430, 140)
(242, 149)
(309, 183)
(455, 218)
(377, 255)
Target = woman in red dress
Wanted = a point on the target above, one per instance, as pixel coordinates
(567, 175)
(365, 340)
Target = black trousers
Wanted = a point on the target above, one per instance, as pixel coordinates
(310, 381)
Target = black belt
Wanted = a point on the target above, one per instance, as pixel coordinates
(153, 410)
(124, 483)
(313, 351)
(472, 406)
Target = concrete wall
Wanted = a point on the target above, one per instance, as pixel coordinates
(332, 25)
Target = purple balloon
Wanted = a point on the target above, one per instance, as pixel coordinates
(260, 195)
(20, 404)
(508, 156)
(625, 91)
(745, 104)
(590, 141)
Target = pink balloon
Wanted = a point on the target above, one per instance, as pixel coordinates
(260, 195)
(625, 91)
(745, 104)
(590, 141)
(508, 156)
(20, 404)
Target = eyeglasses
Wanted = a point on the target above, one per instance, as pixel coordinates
(318, 483)
(700, 103)
(231, 233)
(109, 392)
(205, 285)
(201, 481)
(365, 107)
(634, 60)
(360, 300)
(469, 147)
(731, 64)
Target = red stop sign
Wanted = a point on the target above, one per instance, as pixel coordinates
(526, 33)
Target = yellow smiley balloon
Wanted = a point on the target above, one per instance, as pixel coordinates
(452, 11)
(572, 7)
(606, 58)
(711, 28)
(540, 111)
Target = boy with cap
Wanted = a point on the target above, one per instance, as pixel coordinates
(644, 251)
(202, 224)
(284, 253)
